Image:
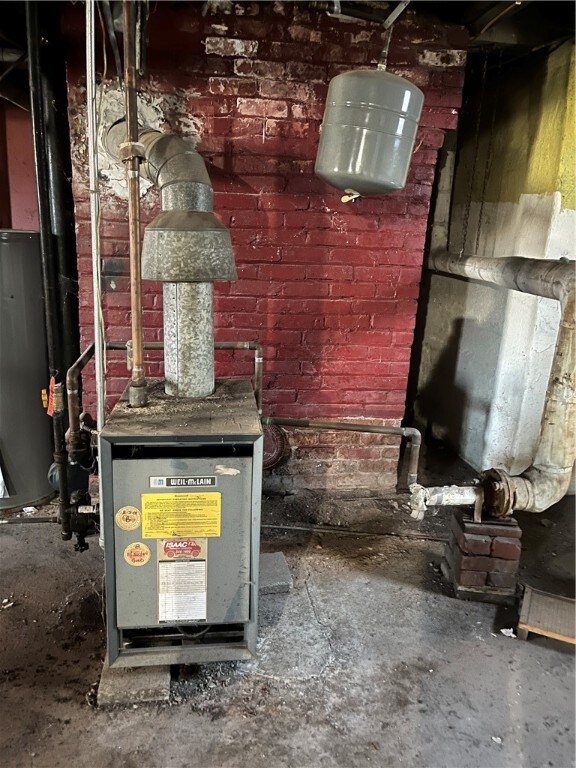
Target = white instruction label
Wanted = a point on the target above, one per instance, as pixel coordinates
(182, 590)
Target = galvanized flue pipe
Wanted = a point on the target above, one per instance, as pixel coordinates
(186, 248)
(187, 229)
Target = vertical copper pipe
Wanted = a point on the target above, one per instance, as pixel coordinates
(132, 163)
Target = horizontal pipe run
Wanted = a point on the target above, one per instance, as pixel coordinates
(539, 277)
(410, 433)
(73, 374)
(251, 345)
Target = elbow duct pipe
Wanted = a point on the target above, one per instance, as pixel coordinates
(546, 481)
(187, 249)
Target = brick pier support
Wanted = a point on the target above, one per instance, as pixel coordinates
(481, 559)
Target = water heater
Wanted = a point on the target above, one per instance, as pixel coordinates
(368, 131)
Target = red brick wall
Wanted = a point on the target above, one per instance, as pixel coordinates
(330, 289)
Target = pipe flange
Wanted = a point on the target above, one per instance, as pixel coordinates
(499, 493)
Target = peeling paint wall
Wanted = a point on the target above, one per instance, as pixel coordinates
(329, 289)
(487, 352)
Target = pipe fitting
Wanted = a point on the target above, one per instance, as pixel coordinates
(171, 159)
(446, 495)
(537, 490)
(137, 395)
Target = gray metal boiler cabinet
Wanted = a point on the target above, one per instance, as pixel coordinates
(181, 483)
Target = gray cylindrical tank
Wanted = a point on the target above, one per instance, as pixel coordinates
(25, 428)
(368, 132)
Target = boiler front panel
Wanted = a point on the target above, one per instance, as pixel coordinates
(182, 540)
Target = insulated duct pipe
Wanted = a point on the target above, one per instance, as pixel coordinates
(547, 480)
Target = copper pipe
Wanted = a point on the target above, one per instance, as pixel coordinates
(131, 158)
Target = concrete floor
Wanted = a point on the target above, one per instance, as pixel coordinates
(369, 661)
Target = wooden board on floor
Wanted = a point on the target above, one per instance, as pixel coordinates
(547, 614)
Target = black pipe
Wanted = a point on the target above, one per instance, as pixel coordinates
(49, 271)
(50, 268)
(73, 394)
(59, 171)
(109, 21)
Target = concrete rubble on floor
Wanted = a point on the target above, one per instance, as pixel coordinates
(275, 576)
(133, 686)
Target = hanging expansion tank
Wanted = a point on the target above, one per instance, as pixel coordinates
(368, 132)
(181, 476)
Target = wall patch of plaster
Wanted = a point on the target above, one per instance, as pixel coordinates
(154, 111)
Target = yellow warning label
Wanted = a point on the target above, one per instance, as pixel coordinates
(167, 515)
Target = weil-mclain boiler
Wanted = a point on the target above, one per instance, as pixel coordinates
(181, 474)
(182, 484)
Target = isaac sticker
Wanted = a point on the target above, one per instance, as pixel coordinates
(137, 553)
(182, 549)
(128, 518)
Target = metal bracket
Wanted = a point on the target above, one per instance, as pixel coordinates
(499, 496)
(130, 150)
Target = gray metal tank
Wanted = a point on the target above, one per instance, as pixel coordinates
(368, 132)
(25, 428)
